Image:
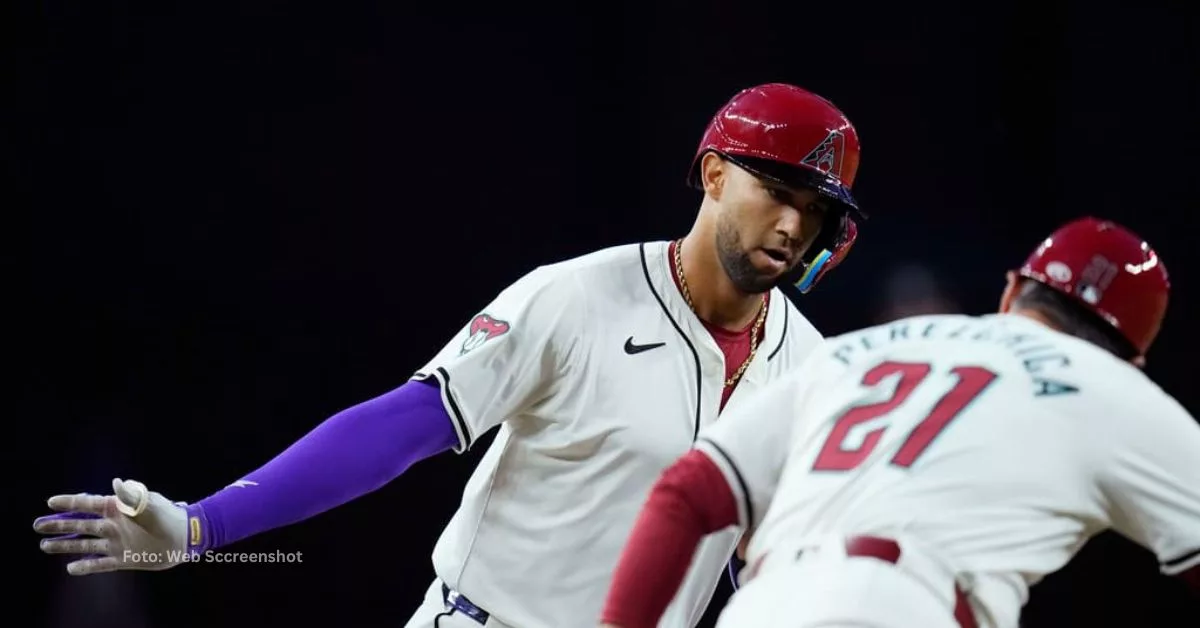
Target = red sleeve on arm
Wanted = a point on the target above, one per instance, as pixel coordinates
(690, 500)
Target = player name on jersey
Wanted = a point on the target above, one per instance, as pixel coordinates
(1047, 364)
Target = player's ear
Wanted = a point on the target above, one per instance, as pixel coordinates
(713, 174)
(1010, 291)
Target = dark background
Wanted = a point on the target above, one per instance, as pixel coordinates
(235, 219)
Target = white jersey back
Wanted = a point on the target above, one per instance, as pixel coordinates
(599, 376)
(999, 442)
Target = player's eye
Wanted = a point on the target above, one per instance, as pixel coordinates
(780, 195)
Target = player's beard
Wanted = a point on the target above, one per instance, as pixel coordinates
(737, 264)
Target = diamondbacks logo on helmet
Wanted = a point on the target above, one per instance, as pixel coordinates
(827, 156)
(482, 329)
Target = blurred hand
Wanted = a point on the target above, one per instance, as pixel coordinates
(133, 529)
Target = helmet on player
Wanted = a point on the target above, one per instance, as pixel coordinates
(796, 138)
(1110, 271)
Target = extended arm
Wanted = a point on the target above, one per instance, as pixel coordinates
(349, 455)
(352, 453)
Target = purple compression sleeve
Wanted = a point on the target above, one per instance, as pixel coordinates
(352, 453)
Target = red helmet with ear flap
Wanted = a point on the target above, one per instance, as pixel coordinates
(796, 138)
(1110, 271)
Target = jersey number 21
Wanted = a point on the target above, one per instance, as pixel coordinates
(834, 456)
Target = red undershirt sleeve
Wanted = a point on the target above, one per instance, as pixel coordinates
(690, 500)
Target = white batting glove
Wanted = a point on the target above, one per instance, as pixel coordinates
(133, 529)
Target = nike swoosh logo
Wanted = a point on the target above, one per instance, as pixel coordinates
(632, 349)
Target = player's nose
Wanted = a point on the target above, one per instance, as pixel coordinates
(790, 224)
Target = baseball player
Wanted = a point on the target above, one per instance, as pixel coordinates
(597, 371)
(928, 471)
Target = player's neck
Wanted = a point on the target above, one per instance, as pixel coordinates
(1034, 315)
(714, 297)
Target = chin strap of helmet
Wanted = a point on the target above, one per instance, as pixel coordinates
(825, 253)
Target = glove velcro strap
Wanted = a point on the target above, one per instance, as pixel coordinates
(199, 532)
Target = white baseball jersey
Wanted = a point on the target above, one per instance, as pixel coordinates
(1003, 444)
(599, 376)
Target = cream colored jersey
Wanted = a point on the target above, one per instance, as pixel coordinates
(599, 376)
(999, 442)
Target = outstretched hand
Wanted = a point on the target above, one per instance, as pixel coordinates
(132, 529)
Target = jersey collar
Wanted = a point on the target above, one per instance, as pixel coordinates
(658, 271)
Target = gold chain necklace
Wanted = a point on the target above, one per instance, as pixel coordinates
(762, 315)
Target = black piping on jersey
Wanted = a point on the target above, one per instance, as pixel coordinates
(458, 417)
(688, 341)
(1175, 562)
(782, 335)
(740, 480)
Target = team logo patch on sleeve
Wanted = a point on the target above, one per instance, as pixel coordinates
(483, 328)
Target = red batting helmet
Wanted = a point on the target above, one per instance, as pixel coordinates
(794, 137)
(1110, 271)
